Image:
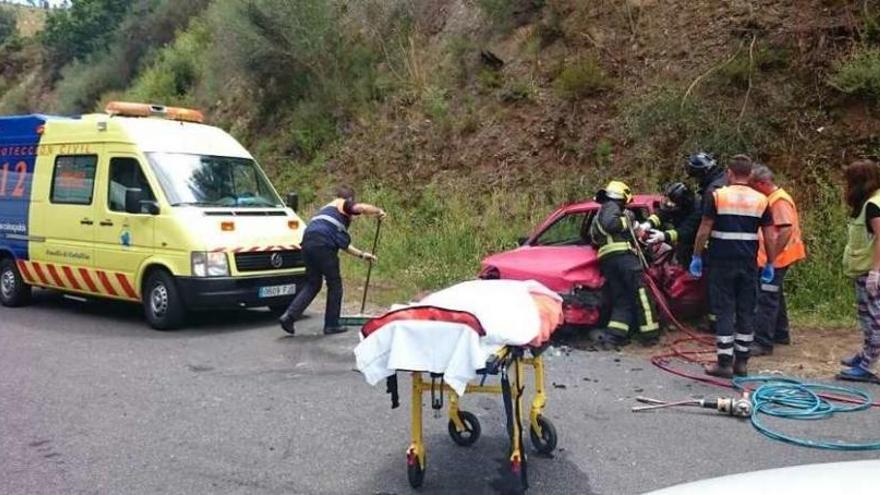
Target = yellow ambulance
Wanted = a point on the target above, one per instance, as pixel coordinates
(144, 204)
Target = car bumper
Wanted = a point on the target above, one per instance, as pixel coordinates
(232, 292)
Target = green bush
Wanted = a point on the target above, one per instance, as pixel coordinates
(582, 77)
(499, 13)
(8, 24)
(765, 59)
(84, 28)
(859, 75)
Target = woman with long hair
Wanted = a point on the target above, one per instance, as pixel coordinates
(861, 260)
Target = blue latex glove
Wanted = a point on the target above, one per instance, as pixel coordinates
(768, 273)
(696, 268)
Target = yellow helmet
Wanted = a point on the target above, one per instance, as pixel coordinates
(615, 190)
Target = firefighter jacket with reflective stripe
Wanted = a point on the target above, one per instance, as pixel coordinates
(610, 230)
(739, 211)
(681, 225)
(858, 256)
(794, 251)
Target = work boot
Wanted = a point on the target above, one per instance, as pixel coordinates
(741, 367)
(760, 350)
(783, 341)
(649, 339)
(722, 369)
(858, 374)
(286, 322)
(334, 330)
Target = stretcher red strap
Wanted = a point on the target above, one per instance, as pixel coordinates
(424, 313)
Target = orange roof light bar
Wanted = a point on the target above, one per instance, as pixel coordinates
(128, 109)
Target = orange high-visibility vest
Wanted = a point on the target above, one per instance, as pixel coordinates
(794, 251)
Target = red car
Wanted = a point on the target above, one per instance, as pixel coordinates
(559, 255)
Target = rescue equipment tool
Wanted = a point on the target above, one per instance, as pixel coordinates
(361, 318)
(738, 407)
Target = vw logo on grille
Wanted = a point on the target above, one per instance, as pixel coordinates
(276, 260)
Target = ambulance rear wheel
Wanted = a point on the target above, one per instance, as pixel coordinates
(163, 306)
(471, 432)
(544, 443)
(14, 292)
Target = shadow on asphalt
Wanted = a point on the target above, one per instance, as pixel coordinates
(107, 316)
(484, 468)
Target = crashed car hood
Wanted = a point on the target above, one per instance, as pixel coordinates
(559, 268)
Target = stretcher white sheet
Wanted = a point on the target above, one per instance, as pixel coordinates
(505, 309)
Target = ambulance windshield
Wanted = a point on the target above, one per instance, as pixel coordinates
(212, 181)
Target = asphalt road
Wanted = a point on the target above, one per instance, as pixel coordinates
(93, 401)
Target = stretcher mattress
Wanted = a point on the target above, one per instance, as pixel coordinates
(454, 331)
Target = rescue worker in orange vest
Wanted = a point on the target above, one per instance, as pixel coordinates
(611, 232)
(771, 321)
(326, 234)
(732, 217)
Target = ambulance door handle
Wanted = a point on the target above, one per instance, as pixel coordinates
(86, 221)
(106, 223)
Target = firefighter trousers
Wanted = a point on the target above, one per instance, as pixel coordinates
(632, 310)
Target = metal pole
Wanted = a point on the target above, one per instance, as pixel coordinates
(370, 265)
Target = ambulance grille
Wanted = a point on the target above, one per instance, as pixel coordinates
(262, 261)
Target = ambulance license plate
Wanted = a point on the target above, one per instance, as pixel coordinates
(277, 290)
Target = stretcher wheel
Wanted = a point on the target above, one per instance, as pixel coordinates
(471, 431)
(546, 442)
(415, 473)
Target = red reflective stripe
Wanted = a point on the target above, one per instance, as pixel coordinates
(237, 250)
(88, 280)
(55, 276)
(70, 278)
(129, 290)
(218, 250)
(25, 273)
(39, 271)
(106, 283)
(255, 249)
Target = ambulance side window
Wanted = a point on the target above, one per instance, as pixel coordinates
(125, 174)
(73, 179)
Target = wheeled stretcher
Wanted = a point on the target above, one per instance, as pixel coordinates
(449, 353)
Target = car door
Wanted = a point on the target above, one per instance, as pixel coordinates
(66, 224)
(124, 241)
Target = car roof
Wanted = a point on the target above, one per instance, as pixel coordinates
(638, 200)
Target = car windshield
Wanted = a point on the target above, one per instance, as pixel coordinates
(202, 180)
(570, 230)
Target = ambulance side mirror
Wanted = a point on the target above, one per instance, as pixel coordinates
(293, 201)
(136, 205)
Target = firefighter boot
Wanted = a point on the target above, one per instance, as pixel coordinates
(741, 367)
(722, 369)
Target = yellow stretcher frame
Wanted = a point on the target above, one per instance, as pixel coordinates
(464, 427)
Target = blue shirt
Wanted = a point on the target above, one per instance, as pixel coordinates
(321, 232)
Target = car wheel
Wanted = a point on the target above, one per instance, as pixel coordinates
(14, 292)
(163, 306)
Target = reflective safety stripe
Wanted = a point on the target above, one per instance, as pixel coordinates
(724, 339)
(650, 325)
(724, 352)
(613, 247)
(740, 348)
(744, 337)
(654, 220)
(336, 223)
(712, 317)
(79, 279)
(735, 236)
(769, 288)
(672, 235)
(618, 325)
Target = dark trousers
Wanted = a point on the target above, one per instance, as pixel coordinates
(733, 294)
(771, 323)
(632, 310)
(322, 263)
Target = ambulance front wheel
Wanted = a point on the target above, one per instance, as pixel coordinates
(163, 306)
(14, 292)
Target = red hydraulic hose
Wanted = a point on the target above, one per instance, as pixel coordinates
(698, 349)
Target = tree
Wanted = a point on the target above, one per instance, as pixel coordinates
(87, 26)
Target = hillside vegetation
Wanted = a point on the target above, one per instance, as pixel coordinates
(471, 119)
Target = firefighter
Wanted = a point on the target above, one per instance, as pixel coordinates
(325, 236)
(771, 323)
(679, 215)
(611, 232)
(732, 218)
(704, 169)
